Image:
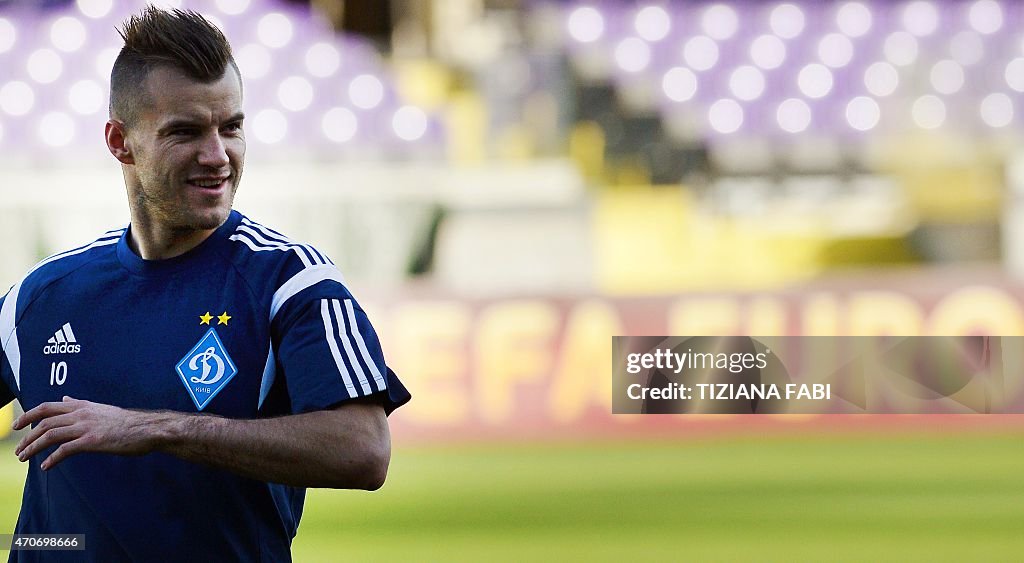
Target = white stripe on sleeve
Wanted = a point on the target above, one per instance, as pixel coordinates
(304, 279)
(269, 373)
(329, 333)
(9, 332)
(347, 343)
(350, 312)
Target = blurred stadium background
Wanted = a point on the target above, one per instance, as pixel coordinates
(507, 184)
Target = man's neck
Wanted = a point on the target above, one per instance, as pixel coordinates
(161, 243)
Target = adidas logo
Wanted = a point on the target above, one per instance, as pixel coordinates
(62, 342)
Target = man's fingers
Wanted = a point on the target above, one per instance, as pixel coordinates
(44, 425)
(44, 410)
(65, 450)
(49, 438)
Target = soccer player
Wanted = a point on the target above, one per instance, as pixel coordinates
(185, 378)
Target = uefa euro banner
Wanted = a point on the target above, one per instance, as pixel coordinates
(544, 366)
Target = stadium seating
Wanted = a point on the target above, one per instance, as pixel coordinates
(778, 69)
(310, 90)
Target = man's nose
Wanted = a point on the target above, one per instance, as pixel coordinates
(213, 153)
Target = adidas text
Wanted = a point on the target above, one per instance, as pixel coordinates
(62, 348)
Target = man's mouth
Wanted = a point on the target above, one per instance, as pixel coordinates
(208, 183)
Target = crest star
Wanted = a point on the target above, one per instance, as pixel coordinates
(223, 319)
(205, 319)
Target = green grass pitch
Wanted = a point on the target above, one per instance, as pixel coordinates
(780, 498)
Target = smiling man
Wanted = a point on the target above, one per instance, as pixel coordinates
(184, 379)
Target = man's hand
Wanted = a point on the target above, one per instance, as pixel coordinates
(82, 426)
(347, 446)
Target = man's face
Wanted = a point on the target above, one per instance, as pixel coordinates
(188, 151)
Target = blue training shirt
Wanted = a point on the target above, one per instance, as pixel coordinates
(246, 325)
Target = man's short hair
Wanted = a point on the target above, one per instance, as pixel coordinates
(179, 39)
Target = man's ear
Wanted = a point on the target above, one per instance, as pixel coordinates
(117, 143)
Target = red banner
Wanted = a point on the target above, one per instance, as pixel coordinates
(536, 366)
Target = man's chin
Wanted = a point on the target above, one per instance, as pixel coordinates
(209, 221)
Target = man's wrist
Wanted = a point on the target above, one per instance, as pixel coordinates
(166, 429)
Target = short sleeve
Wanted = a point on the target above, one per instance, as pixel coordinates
(328, 352)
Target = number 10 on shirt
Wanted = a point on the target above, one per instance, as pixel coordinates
(58, 373)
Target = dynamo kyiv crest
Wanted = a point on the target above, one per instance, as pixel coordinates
(206, 369)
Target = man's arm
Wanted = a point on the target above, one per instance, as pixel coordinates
(347, 447)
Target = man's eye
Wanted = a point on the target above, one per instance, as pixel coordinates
(182, 132)
(234, 127)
